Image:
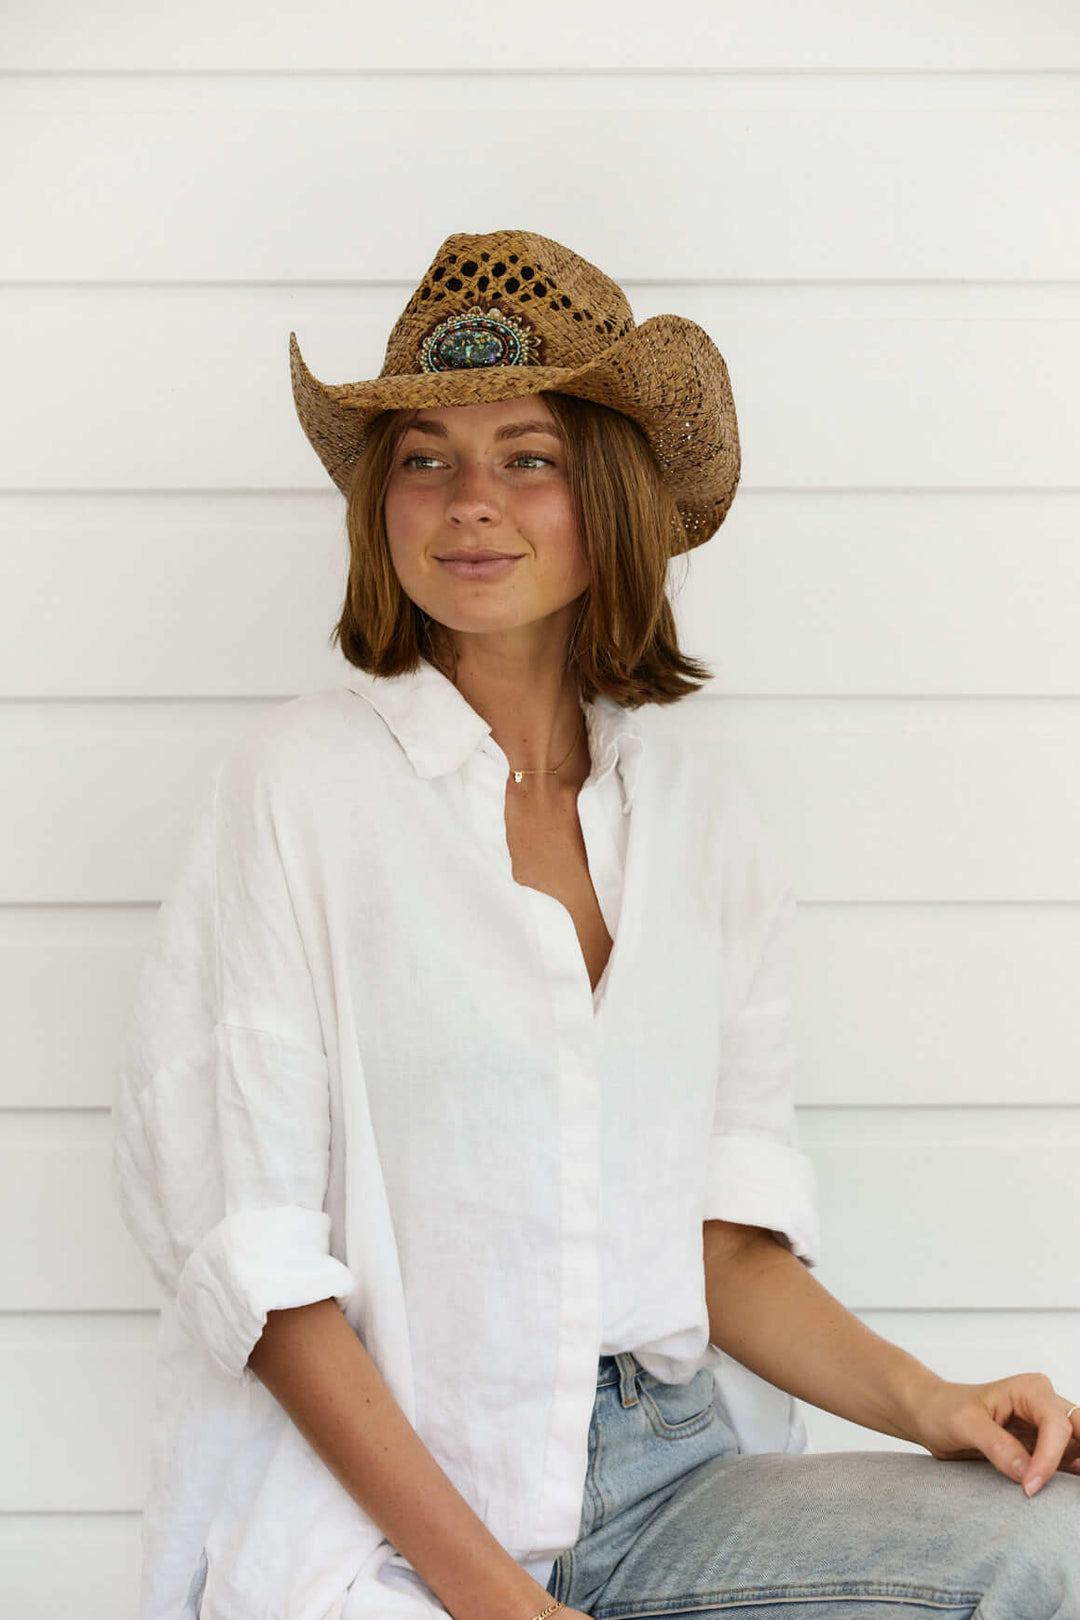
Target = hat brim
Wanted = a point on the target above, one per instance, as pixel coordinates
(665, 374)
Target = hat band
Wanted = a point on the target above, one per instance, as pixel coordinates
(478, 337)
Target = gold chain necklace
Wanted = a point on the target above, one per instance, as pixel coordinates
(519, 774)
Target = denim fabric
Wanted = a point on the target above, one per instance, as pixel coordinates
(676, 1522)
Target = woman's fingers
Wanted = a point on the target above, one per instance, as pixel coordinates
(1055, 1432)
(1019, 1424)
(1000, 1447)
(1072, 1444)
(1032, 1398)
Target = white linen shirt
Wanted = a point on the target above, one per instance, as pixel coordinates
(365, 1063)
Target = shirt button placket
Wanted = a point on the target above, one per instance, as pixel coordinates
(579, 1329)
(580, 1325)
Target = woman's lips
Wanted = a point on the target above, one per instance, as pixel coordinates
(491, 569)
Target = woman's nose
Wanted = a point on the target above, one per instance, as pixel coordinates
(472, 491)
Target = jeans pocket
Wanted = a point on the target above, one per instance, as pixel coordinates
(677, 1410)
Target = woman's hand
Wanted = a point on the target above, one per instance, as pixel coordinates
(1018, 1423)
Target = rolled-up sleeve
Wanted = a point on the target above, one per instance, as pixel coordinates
(757, 1174)
(221, 1112)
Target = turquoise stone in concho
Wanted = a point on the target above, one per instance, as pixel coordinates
(477, 337)
(471, 346)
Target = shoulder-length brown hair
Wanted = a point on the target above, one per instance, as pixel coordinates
(624, 643)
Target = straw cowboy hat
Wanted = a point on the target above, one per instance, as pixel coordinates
(511, 313)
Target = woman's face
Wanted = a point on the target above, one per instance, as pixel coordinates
(491, 477)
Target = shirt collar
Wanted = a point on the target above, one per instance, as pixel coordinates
(439, 729)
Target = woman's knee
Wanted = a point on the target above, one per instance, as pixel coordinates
(1046, 1545)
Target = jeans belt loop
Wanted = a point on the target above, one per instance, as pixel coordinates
(627, 1377)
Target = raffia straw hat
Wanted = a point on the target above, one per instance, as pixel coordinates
(511, 313)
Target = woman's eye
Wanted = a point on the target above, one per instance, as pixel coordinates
(525, 456)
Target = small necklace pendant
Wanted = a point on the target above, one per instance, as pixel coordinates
(518, 775)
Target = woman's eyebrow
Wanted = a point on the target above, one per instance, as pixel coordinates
(511, 430)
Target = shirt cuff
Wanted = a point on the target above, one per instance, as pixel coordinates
(252, 1262)
(760, 1182)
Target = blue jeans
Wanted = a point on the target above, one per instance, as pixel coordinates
(677, 1523)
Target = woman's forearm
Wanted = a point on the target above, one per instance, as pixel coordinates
(768, 1311)
(320, 1372)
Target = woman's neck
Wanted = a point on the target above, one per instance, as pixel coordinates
(538, 723)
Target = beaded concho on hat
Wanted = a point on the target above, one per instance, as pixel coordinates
(510, 313)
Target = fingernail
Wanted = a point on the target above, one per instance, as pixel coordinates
(1031, 1485)
(1018, 1466)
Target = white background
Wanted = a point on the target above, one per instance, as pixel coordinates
(872, 208)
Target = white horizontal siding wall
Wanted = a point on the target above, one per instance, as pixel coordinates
(872, 210)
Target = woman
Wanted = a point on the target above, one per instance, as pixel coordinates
(456, 1116)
